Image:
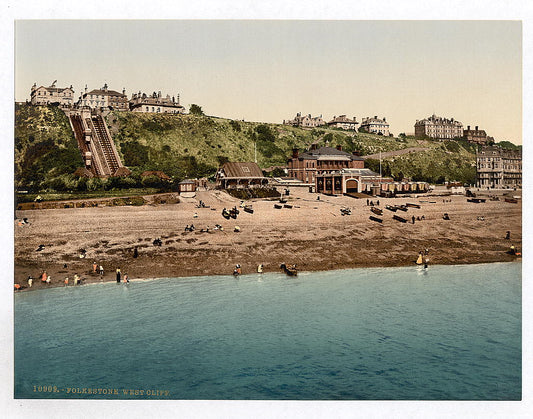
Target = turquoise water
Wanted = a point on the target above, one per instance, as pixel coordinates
(453, 333)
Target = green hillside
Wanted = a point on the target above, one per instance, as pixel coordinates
(184, 146)
(190, 145)
(45, 147)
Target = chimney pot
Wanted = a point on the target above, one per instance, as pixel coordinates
(476, 127)
(339, 147)
(294, 153)
(468, 128)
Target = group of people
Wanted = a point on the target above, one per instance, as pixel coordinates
(119, 277)
(98, 269)
(22, 222)
(371, 203)
(418, 218)
(238, 269)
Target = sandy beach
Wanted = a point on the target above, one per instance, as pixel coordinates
(312, 234)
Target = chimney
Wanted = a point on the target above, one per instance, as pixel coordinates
(384, 119)
(355, 153)
(313, 146)
(123, 90)
(476, 127)
(375, 117)
(294, 153)
(468, 128)
(339, 147)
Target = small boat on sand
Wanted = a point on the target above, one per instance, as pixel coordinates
(249, 209)
(391, 208)
(412, 205)
(278, 206)
(376, 219)
(376, 210)
(290, 270)
(398, 218)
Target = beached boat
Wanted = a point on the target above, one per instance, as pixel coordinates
(401, 208)
(226, 214)
(289, 270)
(391, 208)
(376, 219)
(376, 211)
(278, 206)
(398, 218)
(476, 200)
(248, 208)
(412, 205)
(511, 200)
(287, 206)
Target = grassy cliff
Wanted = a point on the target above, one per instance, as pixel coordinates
(190, 145)
(182, 146)
(46, 152)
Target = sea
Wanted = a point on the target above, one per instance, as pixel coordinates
(448, 333)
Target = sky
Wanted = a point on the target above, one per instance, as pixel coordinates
(268, 70)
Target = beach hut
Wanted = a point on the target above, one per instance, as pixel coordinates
(187, 188)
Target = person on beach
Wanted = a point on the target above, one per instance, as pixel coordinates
(508, 236)
(17, 287)
(260, 268)
(44, 276)
(413, 219)
(95, 266)
(118, 275)
(66, 281)
(101, 270)
(30, 281)
(48, 280)
(126, 279)
(135, 253)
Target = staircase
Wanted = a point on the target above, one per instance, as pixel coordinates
(95, 144)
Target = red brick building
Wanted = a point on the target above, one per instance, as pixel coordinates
(323, 160)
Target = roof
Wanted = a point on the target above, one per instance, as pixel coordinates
(328, 153)
(104, 92)
(154, 102)
(241, 170)
(375, 120)
(342, 119)
(187, 181)
(360, 172)
(54, 89)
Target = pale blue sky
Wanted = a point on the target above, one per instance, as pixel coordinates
(269, 70)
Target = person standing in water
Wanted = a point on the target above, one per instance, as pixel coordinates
(118, 275)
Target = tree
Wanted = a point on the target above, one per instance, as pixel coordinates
(196, 110)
